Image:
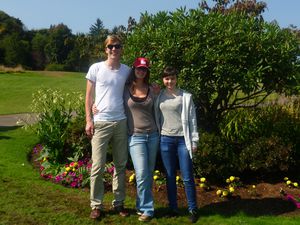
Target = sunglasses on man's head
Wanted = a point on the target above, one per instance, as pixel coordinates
(117, 46)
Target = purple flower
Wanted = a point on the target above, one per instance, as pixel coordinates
(74, 184)
(58, 178)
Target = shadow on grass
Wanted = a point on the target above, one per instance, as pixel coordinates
(250, 207)
(5, 129)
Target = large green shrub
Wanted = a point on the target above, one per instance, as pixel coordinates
(226, 60)
(215, 158)
(260, 141)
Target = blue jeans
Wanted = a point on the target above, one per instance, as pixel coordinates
(143, 149)
(173, 148)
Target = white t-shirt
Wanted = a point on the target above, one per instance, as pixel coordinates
(109, 87)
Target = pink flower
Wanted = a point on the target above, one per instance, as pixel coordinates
(74, 184)
(80, 163)
(58, 178)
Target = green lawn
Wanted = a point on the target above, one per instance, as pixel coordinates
(16, 88)
(27, 199)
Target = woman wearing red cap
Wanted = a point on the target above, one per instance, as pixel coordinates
(143, 139)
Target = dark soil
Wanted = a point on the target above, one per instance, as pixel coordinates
(265, 199)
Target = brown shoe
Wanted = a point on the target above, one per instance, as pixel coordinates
(121, 210)
(95, 214)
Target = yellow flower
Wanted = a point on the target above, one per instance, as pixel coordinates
(203, 179)
(224, 193)
(295, 184)
(227, 181)
(68, 169)
(156, 172)
(253, 186)
(131, 178)
(288, 182)
(286, 178)
(202, 185)
(155, 177)
(177, 178)
(219, 192)
(231, 189)
(231, 178)
(44, 159)
(73, 169)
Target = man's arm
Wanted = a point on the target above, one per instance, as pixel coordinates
(89, 99)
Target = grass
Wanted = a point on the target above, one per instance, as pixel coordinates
(16, 88)
(27, 199)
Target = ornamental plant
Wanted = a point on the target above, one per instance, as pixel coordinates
(57, 115)
(253, 191)
(131, 179)
(74, 174)
(290, 183)
(232, 184)
(224, 193)
(159, 178)
(203, 184)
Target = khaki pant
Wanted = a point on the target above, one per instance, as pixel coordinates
(117, 133)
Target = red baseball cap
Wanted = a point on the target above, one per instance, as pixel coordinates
(141, 62)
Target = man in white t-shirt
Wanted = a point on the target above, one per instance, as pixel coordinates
(105, 85)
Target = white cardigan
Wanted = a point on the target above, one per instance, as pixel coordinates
(188, 119)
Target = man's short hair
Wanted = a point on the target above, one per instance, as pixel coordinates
(112, 39)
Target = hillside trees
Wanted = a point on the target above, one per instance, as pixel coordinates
(55, 48)
(14, 47)
(227, 60)
(59, 44)
(38, 44)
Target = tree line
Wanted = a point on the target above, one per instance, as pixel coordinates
(56, 48)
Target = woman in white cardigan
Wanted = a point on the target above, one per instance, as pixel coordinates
(175, 114)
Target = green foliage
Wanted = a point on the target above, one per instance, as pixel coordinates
(16, 50)
(55, 111)
(259, 141)
(59, 44)
(215, 158)
(55, 67)
(38, 43)
(226, 60)
(267, 155)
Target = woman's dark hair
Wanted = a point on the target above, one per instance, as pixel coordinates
(132, 78)
(169, 71)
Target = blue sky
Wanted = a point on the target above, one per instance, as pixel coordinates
(79, 15)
